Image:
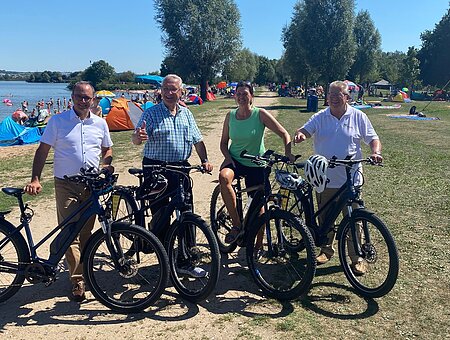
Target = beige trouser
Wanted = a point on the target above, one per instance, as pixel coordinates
(328, 249)
(69, 196)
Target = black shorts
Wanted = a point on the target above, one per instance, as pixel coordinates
(253, 175)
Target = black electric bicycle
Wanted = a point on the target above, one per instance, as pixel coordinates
(125, 266)
(192, 248)
(361, 235)
(280, 269)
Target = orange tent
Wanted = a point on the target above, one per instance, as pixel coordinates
(123, 115)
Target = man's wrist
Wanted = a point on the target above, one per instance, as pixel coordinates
(204, 160)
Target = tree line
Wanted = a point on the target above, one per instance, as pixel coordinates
(325, 40)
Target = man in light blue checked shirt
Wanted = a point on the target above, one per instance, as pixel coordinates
(169, 132)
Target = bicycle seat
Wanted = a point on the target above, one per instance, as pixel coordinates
(135, 171)
(13, 191)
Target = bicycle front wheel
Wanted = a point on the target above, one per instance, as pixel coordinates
(131, 273)
(375, 272)
(280, 270)
(194, 257)
(221, 223)
(14, 256)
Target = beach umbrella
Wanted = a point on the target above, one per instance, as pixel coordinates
(104, 93)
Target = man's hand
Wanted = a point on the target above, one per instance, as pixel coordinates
(207, 166)
(141, 133)
(299, 137)
(33, 188)
(376, 157)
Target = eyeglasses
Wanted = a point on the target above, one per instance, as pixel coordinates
(170, 89)
(82, 98)
(337, 94)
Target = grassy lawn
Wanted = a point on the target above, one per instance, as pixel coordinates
(410, 193)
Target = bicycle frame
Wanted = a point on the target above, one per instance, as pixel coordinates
(68, 230)
(345, 196)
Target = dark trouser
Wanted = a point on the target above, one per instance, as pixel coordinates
(161, 226)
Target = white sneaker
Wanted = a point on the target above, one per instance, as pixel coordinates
(192, 271)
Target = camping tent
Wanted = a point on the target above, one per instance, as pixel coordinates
(123, 115)
(381, 85)
(153, 80)
(12, 133)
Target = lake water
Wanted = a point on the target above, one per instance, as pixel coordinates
(18, 91)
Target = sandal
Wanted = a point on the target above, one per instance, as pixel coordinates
(232, 236)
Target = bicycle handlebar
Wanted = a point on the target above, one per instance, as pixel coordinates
(178, 168)
(96, 180)
(333, 162)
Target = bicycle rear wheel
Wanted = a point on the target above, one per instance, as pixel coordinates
(14, 256)
(194, 257)
(377, 269)
(221, 223)
(281, 271)
(141, 276)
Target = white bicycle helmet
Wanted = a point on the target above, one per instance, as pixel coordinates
(316, 172)
(288, 180)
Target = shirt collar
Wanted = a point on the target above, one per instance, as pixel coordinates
(73, 116)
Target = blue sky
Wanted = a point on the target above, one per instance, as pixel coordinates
(60, 35)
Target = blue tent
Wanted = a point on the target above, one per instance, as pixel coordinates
(147, 105)
(12, 133)
(105, 104)
(154, 80)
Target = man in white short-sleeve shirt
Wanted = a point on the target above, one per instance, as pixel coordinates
(338, 131)
(78, 138)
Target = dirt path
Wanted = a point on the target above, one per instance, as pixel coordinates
(45, 312)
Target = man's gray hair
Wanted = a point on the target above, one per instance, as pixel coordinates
(173, 76)
(342, 85)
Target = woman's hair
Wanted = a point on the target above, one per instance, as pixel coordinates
(245, 84)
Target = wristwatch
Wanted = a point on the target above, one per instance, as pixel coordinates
(204, 160)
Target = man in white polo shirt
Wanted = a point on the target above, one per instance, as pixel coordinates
(338, 131)
(78, 138)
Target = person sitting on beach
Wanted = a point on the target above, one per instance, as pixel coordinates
(95, 107)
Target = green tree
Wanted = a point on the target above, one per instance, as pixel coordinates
(99, 71)
(266, 70)
(200, 37)
(368, 49)
(410, 71)
(243, 66)
(390, 66)
(295, 64)
(324, 35)
(126, 77)
(434, 56)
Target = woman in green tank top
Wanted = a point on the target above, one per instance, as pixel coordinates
(244, 127)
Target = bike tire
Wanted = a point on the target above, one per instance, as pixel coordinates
(14, 256)
(196, 248)
(292, 238)
(122, 206)
(280, 271)
(380, 255)
(144, 273)
(220, 221)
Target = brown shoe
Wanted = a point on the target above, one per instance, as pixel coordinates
(359, 268)
(323, 258)
(78, 291)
